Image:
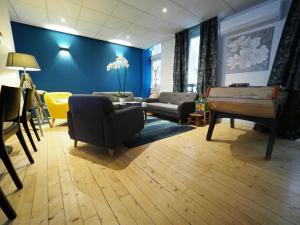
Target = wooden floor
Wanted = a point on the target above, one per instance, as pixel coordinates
(179, 180)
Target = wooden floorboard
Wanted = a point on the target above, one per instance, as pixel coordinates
(178, 180)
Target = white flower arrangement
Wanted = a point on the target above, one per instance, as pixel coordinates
(117, 65)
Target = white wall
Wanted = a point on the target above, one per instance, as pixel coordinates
(7, 77)
(254, 78)
(167, 63)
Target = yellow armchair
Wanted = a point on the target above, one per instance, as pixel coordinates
(57, 104)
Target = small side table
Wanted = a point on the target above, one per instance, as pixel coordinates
(199, 119)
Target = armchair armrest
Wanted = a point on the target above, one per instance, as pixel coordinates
(124, 123)
(152, 100)
(70, 125)
(128, 116)
(185, 109)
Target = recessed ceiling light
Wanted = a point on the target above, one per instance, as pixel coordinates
(165, 10)
(61, 29)
(62, 20)
(127, 37)
(120, 42)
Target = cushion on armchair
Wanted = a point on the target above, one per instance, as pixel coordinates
(57, 104)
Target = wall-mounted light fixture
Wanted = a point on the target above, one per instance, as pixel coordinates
(64, 51)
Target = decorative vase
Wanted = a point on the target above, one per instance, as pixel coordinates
(122, 101)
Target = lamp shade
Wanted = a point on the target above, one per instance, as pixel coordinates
(20, 61)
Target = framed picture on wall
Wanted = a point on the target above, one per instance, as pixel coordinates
(249, 52)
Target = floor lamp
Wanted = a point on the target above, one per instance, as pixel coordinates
(26, 62)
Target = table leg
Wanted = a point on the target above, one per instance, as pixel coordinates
(232, 122)
(38, 118)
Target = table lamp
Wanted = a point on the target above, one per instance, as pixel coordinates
(25, 62)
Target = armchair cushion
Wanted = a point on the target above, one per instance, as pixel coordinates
(62, 100)
(57, 104)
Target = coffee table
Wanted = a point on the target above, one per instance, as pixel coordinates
(117, 105)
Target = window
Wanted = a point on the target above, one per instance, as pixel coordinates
(155, 74)
(193, 64)
(156, 50)
(155, 67)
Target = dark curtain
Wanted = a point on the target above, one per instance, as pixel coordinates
(208, 51)
(180, 70)
(286, 72)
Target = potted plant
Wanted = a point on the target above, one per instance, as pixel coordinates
(121, 62)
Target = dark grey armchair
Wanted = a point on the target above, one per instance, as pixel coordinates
(92, 119)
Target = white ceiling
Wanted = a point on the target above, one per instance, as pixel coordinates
(142, 20)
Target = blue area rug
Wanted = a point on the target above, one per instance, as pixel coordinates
(157, 129)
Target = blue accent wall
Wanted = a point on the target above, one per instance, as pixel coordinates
(146, 73)
(83, 69)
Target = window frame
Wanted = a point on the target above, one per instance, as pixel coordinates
(155, 57)
(194, 32)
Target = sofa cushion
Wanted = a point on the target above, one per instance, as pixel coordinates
(162, 107)
(165, 97)
(176, 98)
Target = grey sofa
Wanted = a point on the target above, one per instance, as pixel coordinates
(175, 105)
(113, 96)
(92, 119)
